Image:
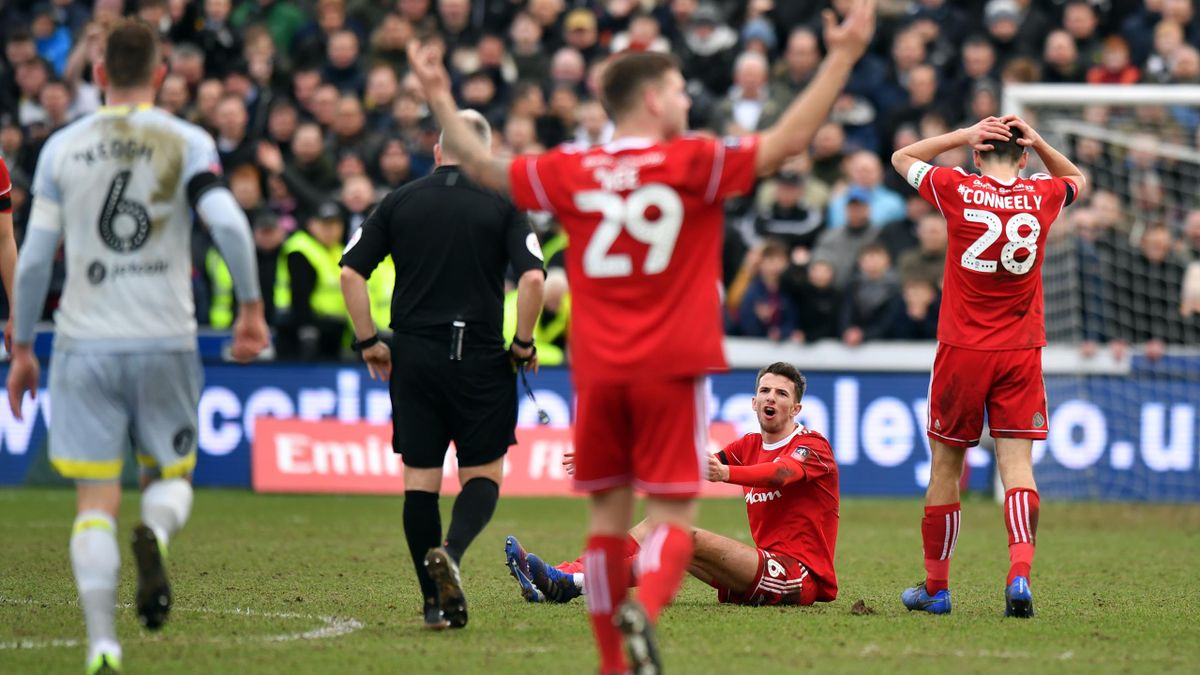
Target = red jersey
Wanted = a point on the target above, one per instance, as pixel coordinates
(5, 188)
(992, 294)
(645, 223)
(800, 519)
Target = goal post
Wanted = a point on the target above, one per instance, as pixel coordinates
(1115, 285)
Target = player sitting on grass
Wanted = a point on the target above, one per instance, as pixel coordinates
(990, 335)
(790, 482)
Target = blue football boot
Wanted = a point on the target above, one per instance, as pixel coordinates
(518, 567)
(1018, 599)
(917, 598)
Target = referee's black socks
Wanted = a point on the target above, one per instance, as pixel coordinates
(472, 510)
(423, 530)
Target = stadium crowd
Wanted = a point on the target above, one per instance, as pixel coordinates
(316, 118)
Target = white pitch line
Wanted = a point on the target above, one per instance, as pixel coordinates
(332, 627)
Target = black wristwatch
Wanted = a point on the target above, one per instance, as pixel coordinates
(518, 342)
(359, 345)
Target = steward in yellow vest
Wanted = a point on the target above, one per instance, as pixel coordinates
(308, 292)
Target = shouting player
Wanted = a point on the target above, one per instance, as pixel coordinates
(991, 331)
(644, 215)
(790, 482)
(115, 188)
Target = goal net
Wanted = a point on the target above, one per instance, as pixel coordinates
(1122, 292)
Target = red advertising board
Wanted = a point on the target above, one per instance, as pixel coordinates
(346, 458)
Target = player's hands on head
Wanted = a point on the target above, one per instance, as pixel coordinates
(1029, 136)
(23, 374)
(855, 31)
(717, 472)
(426, 63)
(987, 129)
(378, 358)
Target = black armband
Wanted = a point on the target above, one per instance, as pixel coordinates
(5, 204)
(201, 183)
(1070, 193)
(722, 458)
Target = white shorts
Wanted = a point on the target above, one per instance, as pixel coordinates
(103, 405)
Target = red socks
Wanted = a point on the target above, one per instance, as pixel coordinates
(662, 565)
(606, 586)
(631, 549)
(939, 530)
(1021, 519)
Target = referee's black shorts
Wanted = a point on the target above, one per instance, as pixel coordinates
(472, 402)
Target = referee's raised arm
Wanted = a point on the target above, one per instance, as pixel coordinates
(473, 155)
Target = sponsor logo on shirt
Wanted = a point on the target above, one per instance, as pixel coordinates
(753, 497)
(96, 272)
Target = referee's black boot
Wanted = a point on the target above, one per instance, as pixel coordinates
(444, 572)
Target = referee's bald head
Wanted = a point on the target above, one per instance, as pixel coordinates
(478, 124)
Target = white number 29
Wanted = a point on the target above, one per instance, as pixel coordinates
(619, 212)
(1012, 231)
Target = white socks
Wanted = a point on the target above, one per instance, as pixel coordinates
(166, 505)
(96, 560)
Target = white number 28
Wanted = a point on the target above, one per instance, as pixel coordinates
(629, 213)
(1012, 231)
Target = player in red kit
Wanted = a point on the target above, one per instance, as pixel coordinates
(790, 482)
(644, 216)
(8, 246)
(991, 331)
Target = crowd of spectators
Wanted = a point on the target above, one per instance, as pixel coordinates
(315, 117)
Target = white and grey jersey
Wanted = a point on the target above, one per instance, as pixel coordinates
(120, 184)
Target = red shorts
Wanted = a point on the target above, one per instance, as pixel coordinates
(651, 435)
(1007, 384)
(781, 580)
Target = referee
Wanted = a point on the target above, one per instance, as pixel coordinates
(452, 243)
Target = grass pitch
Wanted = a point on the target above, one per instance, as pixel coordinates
(300, 584)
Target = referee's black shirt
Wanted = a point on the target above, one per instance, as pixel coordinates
(452, 242)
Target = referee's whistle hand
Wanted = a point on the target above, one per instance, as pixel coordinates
(378, 358)
(525, 358)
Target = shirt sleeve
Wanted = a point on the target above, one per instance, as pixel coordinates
(813, 457)
(731, 166)
(45, 183)
(5, 189)
(732, 453)
(932, 182)
(524, 249)
(531, 179)
(201, 166)
(370, 244)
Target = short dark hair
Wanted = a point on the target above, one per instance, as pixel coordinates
(1005, 151)
(131, 53)
(874, 247)
(626, 76)
(786, 370)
